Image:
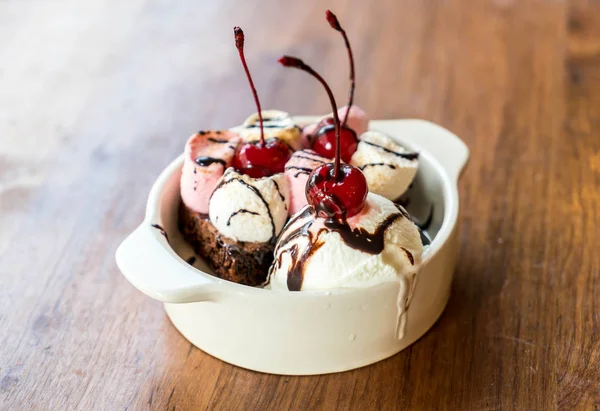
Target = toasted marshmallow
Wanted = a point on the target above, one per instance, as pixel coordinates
(297, 169)
(249, 209)
(358, 121)
(207, 155)
(276, 124)
(387, 166)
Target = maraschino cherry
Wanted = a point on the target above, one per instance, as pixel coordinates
(335, 191)
(258, 158)
(323, 141)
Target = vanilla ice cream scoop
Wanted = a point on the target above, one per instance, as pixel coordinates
(249, 209)
(379, 244)
(388, 167)
(276, 123)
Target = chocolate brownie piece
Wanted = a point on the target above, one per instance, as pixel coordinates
(240, 262)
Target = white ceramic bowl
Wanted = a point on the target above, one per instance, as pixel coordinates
(302, 333)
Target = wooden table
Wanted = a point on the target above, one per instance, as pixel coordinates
(96, 98)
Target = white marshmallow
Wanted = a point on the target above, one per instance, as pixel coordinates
(249, 209)
(387, 166)
(276, 124)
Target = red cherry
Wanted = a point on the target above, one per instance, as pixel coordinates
(337, 198)
(335, 191)
(260, 158)
(257, 160)
(324, 142)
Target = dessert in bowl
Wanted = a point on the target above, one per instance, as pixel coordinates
(375, 295)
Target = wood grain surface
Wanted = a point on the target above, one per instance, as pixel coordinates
(97, 97)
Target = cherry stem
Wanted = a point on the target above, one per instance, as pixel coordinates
(335, 24)
(294, 62)
(239, 44)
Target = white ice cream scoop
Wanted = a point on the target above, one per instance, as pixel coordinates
(379, 244)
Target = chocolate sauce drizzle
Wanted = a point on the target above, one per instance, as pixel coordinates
(256, 192)
(296, 272)
(409, 255)
(242, 211)
(301, 170)
(204, 161)
(265, 126)
(295, 275)
(162, 231)
(218, 141)
(357, 238)
(273, 123)
(302, 231)
(316, 160)
(303, 213)
(408, 156)
(281, 197)
(392, 166)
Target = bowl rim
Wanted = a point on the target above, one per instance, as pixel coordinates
(451, 207)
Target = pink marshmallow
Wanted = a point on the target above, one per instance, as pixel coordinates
(358, 121)
(297, 169)
(207, 155)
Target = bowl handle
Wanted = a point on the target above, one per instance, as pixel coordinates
(447, 148)
(154, 269)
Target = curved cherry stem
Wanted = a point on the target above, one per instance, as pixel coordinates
(335, 24)
(294, 62)
(239, 44)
